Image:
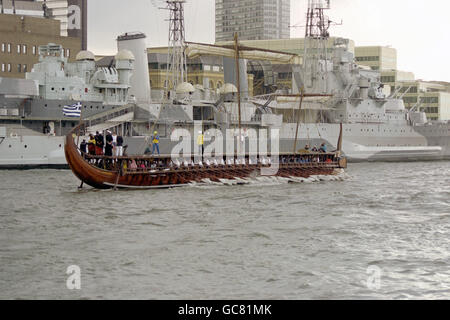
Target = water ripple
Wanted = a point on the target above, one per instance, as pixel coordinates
(258, 241)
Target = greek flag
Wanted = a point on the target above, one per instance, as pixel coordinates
(73, 111)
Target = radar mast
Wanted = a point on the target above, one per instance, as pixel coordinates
(316, 44)
(176, 61)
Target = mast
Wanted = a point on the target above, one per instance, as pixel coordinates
(238, 82)
(176, 60)
(316, 43)
(298, 121)
(340, 140)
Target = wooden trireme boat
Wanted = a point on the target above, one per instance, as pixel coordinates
(145, 172)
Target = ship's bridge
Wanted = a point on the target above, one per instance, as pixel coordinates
(60, 80)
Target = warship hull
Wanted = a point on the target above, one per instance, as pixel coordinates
(361, 143)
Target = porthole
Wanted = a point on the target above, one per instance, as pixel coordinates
(26, 146)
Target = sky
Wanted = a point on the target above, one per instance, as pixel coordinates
(418, 29)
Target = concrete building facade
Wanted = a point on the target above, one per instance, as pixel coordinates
(430, 97)
(73, 17)
(377, 57)
(22, 7)
(252, 19)
(20, 38)
(390, 77)
(72, 14)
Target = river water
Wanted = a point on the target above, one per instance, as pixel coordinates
(381, 234)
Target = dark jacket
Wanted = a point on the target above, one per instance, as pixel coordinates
(108, 150)
(99, 141)
(119, 141)
(83, 147)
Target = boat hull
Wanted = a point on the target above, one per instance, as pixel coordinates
(168, 174)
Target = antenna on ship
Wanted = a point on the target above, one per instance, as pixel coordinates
(176, 60)
(316, 41)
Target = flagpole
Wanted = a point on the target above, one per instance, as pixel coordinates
(81, 122)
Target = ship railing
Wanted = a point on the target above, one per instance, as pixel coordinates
(165, 163)
(107, 115)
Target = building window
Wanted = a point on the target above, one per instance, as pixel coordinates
(19, 47)
(429, 99)
(67, 53)
(432, 110)
(9, 47)
(387, 79)
(25, 69)
(24, 49)
(34, 50)
(9, 67)
(3, 47)
(19, 68)
(3, 67)
(410, 99)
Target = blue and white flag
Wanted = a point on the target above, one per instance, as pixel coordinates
(73, 111)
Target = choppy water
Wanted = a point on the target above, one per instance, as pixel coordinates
(285, 241)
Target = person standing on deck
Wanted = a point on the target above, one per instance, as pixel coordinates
(99, 144)
(114, 143)
(119, 147)
(91, 145)
(83, 148)
(155, 141)
(108, 149)
(201, 142)
(323, 148)
(109, 138)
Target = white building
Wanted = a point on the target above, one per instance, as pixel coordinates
(252, 19)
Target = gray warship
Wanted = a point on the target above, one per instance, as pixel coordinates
(32, 122)
(377, 127)
(117, 95)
